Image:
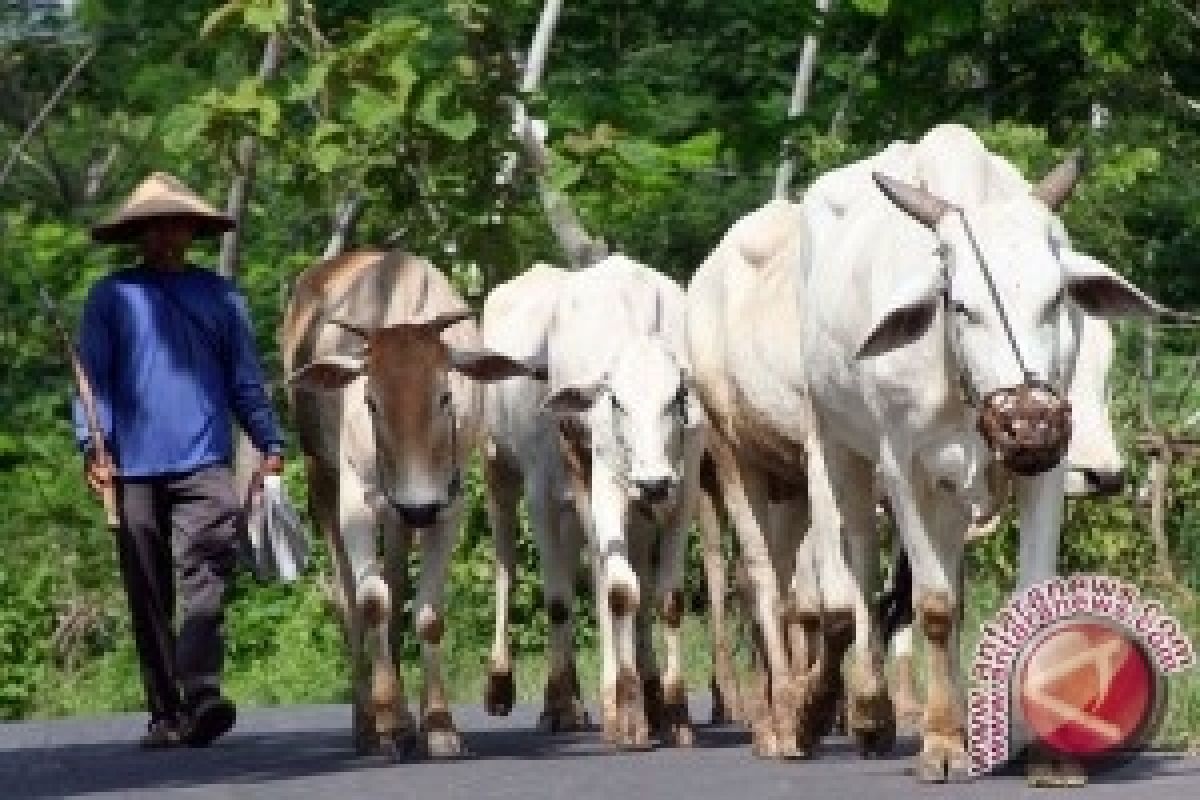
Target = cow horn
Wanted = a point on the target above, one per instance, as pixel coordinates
(444, 320)
(1057, 186)
(919, 203)
(350, 327)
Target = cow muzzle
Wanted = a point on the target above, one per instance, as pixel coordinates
(1028, 427)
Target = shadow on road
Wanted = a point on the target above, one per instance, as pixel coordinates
(73, 768)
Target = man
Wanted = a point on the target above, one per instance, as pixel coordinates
(169, 350)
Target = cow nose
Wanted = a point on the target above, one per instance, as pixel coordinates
(1105, 481)
(419, 516)
(654, 490)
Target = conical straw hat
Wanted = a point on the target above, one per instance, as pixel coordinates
(161, 195)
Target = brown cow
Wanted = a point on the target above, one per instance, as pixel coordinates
(381, 352)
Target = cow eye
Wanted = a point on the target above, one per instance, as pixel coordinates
(444, 400)
(972, 316)
(617, 404)
(679, 401)
(1051, 310)
(370, 404)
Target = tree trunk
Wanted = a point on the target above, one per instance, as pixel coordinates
(578, 246)
(799, 103)
(247, 158)
(245, 456)
(344, 219)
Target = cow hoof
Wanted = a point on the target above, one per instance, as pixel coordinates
(1043, 772)
(909, 722)
(571, 719)
(872, 724)
(678, 731)
(637, 731)
(943, 759)
(725, 706)
(444, 744)
(500, 694)
(654, 702)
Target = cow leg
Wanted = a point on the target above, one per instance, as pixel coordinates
(934, 543)
(903, 680)
(440, 737)
(618, 598)
(1040, 499)
(563, 710)
(376, 689)
(323, 510)
(503, 494)
(844, 531)
(897, 621)
(397, 539)
(744, 490)
(811, 677)
(572, 541)
(725, 705)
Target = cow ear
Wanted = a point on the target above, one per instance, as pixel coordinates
(487, 366)
(1101, 292)
(327, 374)
(572, 399)
(907, 318)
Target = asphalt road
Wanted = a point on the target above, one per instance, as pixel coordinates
(304, 752)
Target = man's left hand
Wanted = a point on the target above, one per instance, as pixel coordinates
(272, 464)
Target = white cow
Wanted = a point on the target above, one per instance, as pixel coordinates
(522, 456)
(911, 340)
(632, 436)
(744, 332)
(382, 358)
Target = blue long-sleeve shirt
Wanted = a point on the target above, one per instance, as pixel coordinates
(171, 359)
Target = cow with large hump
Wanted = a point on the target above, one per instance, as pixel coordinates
(1094, 469)
(744, 329)
(383, 360)
(522, 457)
(935, 360)
(632, 436)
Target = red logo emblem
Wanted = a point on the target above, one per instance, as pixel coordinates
(1087, 688)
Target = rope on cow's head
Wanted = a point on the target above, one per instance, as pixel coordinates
(1028, 426)
(1029, 379)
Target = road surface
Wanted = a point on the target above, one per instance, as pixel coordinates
(304, 752)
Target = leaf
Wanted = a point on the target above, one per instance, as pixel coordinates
(564, 173)
(875, 7)
(429, 112)
(266, 16)
(326, 157)
(400, 70)
(371, 109)
(219, 16)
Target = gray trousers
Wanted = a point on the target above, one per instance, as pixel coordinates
(178, 529)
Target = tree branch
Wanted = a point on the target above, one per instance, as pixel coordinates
(247, 158)
(799, 102)
(98, 171)
(577, 245)
(1191, 16)
(45, 112)
(865, 57)
(344, 219)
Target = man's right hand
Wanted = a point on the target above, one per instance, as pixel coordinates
(99, 475)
